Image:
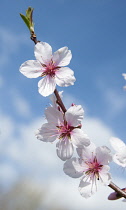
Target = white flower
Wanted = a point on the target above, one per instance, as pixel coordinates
(120, 147)
(65, 128)
(51, 67)
(124, 75)
(92, 166)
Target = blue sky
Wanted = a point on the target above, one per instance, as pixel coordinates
(95, 31)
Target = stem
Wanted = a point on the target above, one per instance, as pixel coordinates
(59, 101)
(117, 189)
(34, 37)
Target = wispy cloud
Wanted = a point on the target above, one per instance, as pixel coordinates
(20, 104)
(115, 101)
(10, 43)
(97, 130)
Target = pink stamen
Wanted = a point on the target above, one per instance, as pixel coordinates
(93, 168)
(50, 69)
(65, 131)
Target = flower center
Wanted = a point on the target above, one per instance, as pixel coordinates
(93, 168)
(65, 131)
(50, 69)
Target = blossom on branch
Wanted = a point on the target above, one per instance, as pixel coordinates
(65, 128)
(120, 147)
(50, 66)
(92, 166)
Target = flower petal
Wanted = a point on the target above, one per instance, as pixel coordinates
(87, 152)
(43, 52)
(54, 115)
(105, 177)
(124, 75)
(72, 168)
(79, 138)
(86, 189)
(120, 158)
(117, 144)
(47, 133)
(64, 77)
(62, 56)
(31, 69)
(46, 86)
(74, 115)
(103, 155)
(64, 149)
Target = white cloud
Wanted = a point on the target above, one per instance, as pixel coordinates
(20, 104)
(8, 175)
(10, 43)
(6, 128)
(97, 131)
(116, 101)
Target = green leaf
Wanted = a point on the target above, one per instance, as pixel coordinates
(29, 13)
(28, 19)
(25, 20)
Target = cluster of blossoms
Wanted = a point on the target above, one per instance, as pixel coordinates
(65, 126)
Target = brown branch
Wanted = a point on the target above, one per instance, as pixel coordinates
(34, 37)
(59, 101)
(120, 192)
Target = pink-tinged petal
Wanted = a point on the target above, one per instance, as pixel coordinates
(43, 52)
(64, 77)
(62, 57)
(105, 178)
(64, 149)
(103, 155)
(120, 158)
(87, 153)
(117, 144)
(74, 115)
(115, 195)
(73, 168)
(105, 169)
(47, 133)
(46, 86)
(120, 148)
(86, 189)
(31, 69)
(79, 138)
(54, 115)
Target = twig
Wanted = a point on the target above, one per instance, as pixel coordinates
(117, 189)
(60, 103)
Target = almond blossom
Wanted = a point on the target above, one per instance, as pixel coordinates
(120, 147)
(50, 66)
(92, 166)
(65, 129)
